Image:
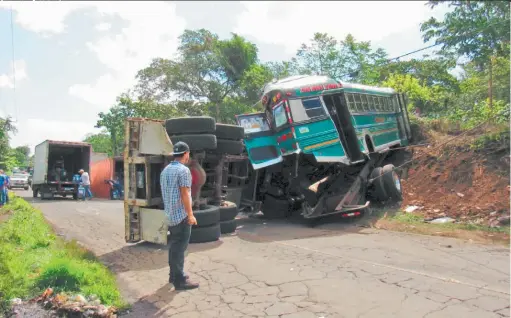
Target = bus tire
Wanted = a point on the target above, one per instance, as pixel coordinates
(274, 208)
(230, 132)
(227, 227)
(229, 147)
(197, 142)
(208, 216)
(392, 183)
(190, 125)
(205, 234)
(228, 211)
(378, 192)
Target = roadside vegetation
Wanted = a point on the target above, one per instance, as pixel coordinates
(33, 258)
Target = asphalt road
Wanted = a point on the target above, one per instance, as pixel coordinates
(280, 269)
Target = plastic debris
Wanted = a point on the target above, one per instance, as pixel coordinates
(412, 208)
(442, 220)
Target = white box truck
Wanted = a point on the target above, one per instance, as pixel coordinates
(55, 163)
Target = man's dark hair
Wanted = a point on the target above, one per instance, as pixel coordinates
(178, 156)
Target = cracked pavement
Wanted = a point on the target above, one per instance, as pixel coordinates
(280, 269)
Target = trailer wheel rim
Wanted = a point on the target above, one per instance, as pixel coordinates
(396, 181)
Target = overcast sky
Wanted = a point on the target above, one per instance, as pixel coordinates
(73, 58)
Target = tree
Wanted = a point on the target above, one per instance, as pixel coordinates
(479, 30)
(345, 60)
(100, 142)
(207, 70)
(7, 158)
(21, 154)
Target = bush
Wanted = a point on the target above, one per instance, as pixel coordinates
(32, 258)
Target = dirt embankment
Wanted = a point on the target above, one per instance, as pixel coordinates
(466, 179)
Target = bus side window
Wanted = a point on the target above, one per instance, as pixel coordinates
(395, 103)
(386, 104)
(358, 103)
(381, 103)
(351, 102)
(364, 102)
(392, 106)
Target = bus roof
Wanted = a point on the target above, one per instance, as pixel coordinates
(299, 81)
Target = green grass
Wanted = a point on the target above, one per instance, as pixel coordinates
(415, 219)
(32, 258)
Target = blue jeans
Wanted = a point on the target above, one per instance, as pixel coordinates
(87, 192)
(3, 196)
(178, 243)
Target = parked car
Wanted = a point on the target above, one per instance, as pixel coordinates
(19, 181)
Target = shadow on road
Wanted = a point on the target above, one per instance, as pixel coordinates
(146, 256)
(148, 306)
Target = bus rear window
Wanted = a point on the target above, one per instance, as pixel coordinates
(253, 123)
(306, 109)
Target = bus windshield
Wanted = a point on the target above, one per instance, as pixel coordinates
(279, 115)
(253, 123)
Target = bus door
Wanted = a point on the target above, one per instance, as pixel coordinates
(336, 106)
(283, 130)
(315, 131)
(260, 141)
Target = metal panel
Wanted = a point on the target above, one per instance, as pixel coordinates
(154, 139)
(153, 226)
(40, 163)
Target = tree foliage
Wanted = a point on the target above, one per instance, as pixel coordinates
(223, 77)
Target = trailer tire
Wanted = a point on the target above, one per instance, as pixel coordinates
(274, 208)
(230, 132)
(197, 142)
(392, 183)
(208, 216)
(229, 147)
(190, 125)
(227, 227)
(378, 189)
(228, 211)
(205, 234)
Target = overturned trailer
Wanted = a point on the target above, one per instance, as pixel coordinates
(320, 145)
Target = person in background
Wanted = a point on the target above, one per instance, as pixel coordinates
(6, 188)
(2, 186)
(176, 183)
(85, 180)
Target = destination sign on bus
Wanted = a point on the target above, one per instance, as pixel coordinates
(320, 87)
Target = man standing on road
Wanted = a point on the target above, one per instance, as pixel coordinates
(176, 183)
(85, 183)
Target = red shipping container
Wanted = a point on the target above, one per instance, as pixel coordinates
(104, 170)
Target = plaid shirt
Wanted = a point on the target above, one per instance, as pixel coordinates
(172, 178)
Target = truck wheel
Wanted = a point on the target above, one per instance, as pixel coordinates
(392, 183)
(205, 234)
(274, 208)
(228, 211)
(35, 192)
(378, 189)
(228, 226)
(208, 216)
(190, 125)
(197, 142)
(230, 132)
(229, 147)
(25, 188)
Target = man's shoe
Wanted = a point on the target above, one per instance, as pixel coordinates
(185, 285)
(171, 279)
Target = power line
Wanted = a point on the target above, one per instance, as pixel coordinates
(13, 69)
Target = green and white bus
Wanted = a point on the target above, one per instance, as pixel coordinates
(314, 134)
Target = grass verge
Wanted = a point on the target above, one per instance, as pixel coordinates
(395, 220)
(33, 258)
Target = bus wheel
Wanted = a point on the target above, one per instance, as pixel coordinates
(274, 208)
(392, 183)
(378, 192)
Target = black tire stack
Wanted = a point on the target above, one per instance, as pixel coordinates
(197, 132)
(202, 133)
